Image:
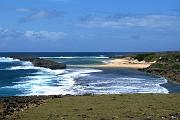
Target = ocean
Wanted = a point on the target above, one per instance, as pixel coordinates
(21, 78)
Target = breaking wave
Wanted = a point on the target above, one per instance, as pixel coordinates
(47, 81)
(7, 59)
(77, 81)
(76, 57)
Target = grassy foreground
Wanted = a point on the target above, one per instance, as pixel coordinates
(107, 107)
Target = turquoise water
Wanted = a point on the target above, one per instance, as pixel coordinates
(22, 78)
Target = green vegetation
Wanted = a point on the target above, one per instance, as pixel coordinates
(163, 57)
(146, 57)
(167, 64)
(116, 107)
(107, 107)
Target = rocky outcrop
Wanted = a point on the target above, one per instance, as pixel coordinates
(10, 106)
(38, 62)
(166, 73)
(167, 65)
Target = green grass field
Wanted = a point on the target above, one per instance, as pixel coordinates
(107, 107)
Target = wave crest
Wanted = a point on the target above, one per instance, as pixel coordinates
(7, 59)
(76, 57)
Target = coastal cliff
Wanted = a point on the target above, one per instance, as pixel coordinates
(38, 62)
(167, 64)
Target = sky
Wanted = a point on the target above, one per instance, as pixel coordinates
(89, 25)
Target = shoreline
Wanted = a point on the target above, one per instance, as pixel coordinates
(120, 63)
(14, 106)
(168, 79)
(128, 62)
(166, 65)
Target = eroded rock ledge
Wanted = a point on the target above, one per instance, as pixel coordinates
(10, 106)
(38, 62)
(167, 64)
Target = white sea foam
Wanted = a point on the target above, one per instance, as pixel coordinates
(106, 61)
(51, 82)
(7, 59)
(65, 86)
(26, 63)
(50, 90)
(55, 72)
(22, 68)
(121, 90)
(76, 57)
(54, 82)
(124, 85)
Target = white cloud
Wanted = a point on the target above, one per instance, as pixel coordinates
(147, 21)
(39, 14)
(44, 35)
(6, 34)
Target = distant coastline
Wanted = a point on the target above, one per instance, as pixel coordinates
(164, 64)
(125, 62)
(111, 80)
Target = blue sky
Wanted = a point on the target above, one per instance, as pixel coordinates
(89, 25)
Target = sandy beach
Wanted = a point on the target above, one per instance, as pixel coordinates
(122, 63)
(127, 63)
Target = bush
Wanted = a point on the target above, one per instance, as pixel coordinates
(141, 57)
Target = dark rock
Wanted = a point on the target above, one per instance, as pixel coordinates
(90, 109)
(84, 116)
(10, 105)
(41, 62)
(104, 119)
(88, 94)
(174, 116)
(58, 96)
